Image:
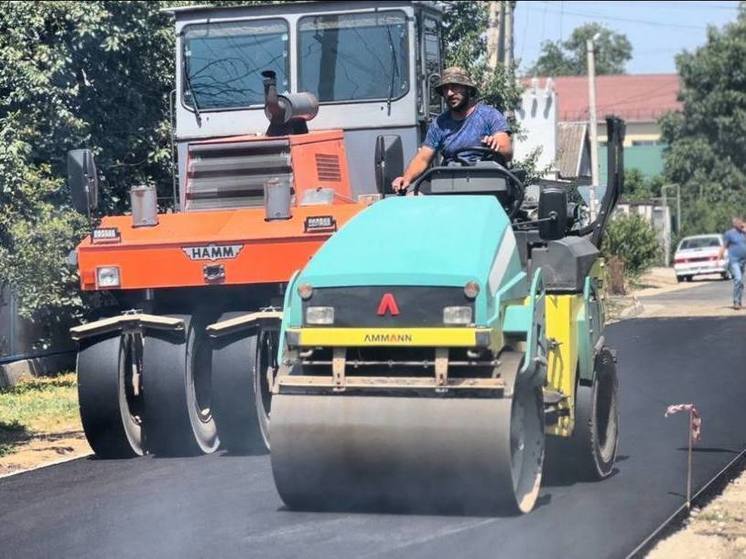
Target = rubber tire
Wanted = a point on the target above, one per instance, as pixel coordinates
(687, 278)
(725, 276)
(233, 370)
(110, 426)
(266, 356)
(594, 453)
(679, 279)
(174, 424)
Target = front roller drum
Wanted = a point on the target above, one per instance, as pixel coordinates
(109, 395)
(413, 453)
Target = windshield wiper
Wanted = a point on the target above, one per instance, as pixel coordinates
(394, 69)
(190, 89)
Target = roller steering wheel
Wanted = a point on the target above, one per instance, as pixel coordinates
(486, 154)
(515, 186)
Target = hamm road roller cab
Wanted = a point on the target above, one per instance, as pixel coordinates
(290, 119)
(432, 344)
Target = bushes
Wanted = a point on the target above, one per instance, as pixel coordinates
(633, 241)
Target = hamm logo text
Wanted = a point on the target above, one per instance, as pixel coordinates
(212, 252)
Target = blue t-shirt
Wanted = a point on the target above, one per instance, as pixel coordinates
(448, 135)
(735, 242)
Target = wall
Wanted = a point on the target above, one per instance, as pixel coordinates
(537, 117)
(648, 159)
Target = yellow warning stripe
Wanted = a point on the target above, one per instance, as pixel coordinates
(355, 337)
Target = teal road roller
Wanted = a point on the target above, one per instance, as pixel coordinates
(436, 345)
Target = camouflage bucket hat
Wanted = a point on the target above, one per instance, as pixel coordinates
(455, 75)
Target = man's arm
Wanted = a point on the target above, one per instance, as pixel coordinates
(498, 134)
(724, 246)
(419, 164)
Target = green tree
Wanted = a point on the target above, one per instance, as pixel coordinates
(638, 187)
(706, 140)
(569, 58)
(74, 74)
(633, 240)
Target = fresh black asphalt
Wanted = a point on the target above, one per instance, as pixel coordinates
(226, 506)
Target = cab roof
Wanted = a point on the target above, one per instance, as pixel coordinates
(298, 5)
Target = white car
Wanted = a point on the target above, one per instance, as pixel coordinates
(700, 254)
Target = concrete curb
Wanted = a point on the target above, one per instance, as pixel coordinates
(634, 310)
(11, 373)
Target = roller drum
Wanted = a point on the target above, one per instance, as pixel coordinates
(413, 453)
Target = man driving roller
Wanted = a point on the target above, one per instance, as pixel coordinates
(465, 123)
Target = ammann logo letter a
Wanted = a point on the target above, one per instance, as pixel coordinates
(388, 304)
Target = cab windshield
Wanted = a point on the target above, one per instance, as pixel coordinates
(223, 62)
(354, 57)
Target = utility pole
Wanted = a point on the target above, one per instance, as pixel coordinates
(590, 48)
(494, 35)
(508, 7)
(678, 202)
(666, 230)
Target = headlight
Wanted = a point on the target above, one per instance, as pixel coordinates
(320, 315)
(471, 289)
(457, 315)
(107, 276)
(305, 290)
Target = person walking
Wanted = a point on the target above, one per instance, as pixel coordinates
(735, 242)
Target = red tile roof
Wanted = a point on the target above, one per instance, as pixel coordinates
(635, 98)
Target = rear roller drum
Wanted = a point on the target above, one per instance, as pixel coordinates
(109, 395)
(177, 389)
(596, 434)
(465, 454)
(590, 453)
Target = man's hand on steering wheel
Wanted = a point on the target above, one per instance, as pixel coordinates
(492, 142)
(400, 184)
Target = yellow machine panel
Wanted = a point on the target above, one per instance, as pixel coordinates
(562, 356)
(394, 337)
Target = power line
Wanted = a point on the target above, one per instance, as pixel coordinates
(597, 15)
(668, 5)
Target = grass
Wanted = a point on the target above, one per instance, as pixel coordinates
(36, 407)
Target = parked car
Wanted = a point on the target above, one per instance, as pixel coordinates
(699, 255)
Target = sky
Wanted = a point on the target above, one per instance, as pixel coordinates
(657, 30)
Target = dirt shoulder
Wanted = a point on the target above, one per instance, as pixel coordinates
(40, 423)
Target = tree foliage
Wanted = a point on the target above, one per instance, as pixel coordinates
(706, 140)
(638, 187)
(633, 240)
(570, 58)
(74, 74)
